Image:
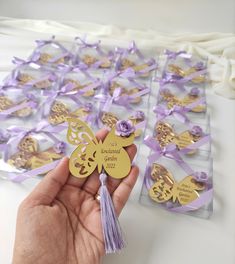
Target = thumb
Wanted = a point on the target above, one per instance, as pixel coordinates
(46, 191)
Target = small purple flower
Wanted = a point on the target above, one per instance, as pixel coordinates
(196, 131)
(201, 176)
(88, 107)
(60, 147)
(194, 91)
(199, 66)
(139, 115)
(124, 128)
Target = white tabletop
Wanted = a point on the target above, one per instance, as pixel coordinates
(153, 235)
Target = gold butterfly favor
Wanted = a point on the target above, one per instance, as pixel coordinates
(110, 120)
(125, 91)
(173, 100)
(29, 157)
(184, 73)
(126, 63)
(78, 86)
(46, 57)
(90, 60)
(6, 103)
(92, 153)
(166, 135)
(166, 188)
(59, 113)
(25, 78)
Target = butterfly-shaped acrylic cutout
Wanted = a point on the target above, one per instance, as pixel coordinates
(188, 99)
(29, 157)
(59, 113)
(184, 73)
(126, 63)
(125, 91)
(165, 135)
(110, 120)
(46, 57)
(78, 86)
(92, 153)
(25, 78)
(6, 103)
(90, 60)
(166, 188)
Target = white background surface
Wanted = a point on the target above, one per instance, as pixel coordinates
(162, 15)
(154, 236)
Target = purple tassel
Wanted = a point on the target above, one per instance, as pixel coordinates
(111, 228)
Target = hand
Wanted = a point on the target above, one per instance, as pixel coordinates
(59, 222)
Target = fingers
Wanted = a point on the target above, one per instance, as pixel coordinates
(46, 191)
(78, 182)
(122, 193)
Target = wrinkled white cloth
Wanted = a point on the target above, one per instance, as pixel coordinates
(219, 48)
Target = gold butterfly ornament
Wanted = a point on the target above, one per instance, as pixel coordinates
(28, 155)
(92, 153)
(166, 135)
(192, 97)
(165, 188)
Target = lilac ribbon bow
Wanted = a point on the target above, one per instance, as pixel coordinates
(33, 62)
(173, 55)
(107, 100)
(170, 150)
(18, 133)
(177, 111)
(134, 50)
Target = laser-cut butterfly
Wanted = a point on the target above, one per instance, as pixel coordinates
(166, 188)
(92, 153)
(29, 157)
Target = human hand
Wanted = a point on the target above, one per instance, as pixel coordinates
(60, 222)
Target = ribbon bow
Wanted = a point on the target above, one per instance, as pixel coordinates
(177, 111)
(173, 55)
(33, 61)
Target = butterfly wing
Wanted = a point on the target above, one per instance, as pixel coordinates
(83, 160)
(165, 134)
(183, 140)
(79, 132)
(114, 158)
(109, 119)
(186, 190)
(162, 189)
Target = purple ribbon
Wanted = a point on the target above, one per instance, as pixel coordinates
(205, 197)
(179, 112)
(170, 151)
(66, 90)
(169, 77)
(7, 112)
(173, 55)
(18, 133)
(33, 62)
(117, 98)
(19, 177)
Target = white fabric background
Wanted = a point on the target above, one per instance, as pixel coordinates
(153, 235)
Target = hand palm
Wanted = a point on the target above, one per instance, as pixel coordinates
(63, 217)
